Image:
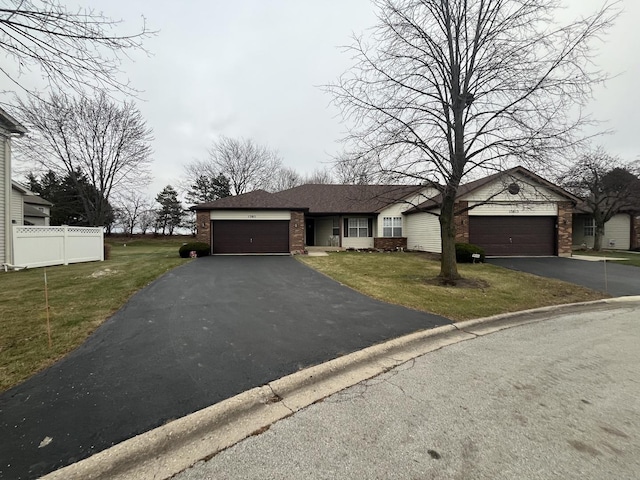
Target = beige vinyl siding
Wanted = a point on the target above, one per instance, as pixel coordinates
(423, 232)
(578, 236)
(617, 232)
(250, 215)
(397, 209)
(324, 230)
(529, 192)
(4, 196)
(17, 210)
(391, 211)
(37, 221)
(537, 209)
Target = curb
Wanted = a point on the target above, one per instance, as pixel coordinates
(174, 447)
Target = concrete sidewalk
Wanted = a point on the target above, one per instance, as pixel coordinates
(550, 398)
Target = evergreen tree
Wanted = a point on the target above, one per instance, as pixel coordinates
(63, 192)
(208, 188)
(170, 214)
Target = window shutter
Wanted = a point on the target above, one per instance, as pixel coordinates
(345, 232)
(371, 227)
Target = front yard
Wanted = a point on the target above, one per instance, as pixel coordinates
(81, 297)
(407, 279)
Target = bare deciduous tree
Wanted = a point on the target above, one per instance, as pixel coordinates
(355, 171)
(319, 175)
(444, 87)
(72, 49)
(146, 221)
(247, 165)
(284, 179)
(130, 206)
(106, 142)
(606, 185)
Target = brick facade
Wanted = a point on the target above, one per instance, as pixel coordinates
(390, 243)
(296, 232)
(461, 221)
(635, 231)
(565, 229)
(203, 226)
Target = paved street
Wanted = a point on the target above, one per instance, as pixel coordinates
(615, 278)
(204, 332)
(555, 399)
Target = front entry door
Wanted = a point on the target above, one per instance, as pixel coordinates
(311, 233)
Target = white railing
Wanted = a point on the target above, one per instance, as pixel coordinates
(44, 246)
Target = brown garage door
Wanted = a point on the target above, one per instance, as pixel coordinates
(510, 236)
(250, 236)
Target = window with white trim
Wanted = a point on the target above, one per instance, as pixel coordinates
(590, 227)
(336, 227)
(358, 227)
(392, 227)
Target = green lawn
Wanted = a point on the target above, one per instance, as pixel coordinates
(408, 279)
(81, 297)
(632, 258)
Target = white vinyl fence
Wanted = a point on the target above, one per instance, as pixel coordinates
(44, 246)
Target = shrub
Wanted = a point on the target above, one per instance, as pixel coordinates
(465, 250)
(202, 249)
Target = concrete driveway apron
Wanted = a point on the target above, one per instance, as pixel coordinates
(200, 334)
(614, 277)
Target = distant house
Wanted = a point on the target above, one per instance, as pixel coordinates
(9, 127)
(514, 212)
(28, 208)
(621, 232)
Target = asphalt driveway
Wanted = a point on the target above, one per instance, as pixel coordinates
(613, 277)
(200, 334)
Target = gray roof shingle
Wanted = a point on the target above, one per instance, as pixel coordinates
(318, 198)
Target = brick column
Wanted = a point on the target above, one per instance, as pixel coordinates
(296, 232)
(203, 226)
(635, 230)
(565, 228)
(461, 221)
(390, 243)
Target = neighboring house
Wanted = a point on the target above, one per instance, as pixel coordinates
(621, 232)
(512, 213)
(28, 208)
(9, 128)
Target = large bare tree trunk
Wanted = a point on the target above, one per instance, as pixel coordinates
(597, 238)
(448, 267)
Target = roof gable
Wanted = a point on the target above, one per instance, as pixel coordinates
(11, 124)
(528, 188)
(495, 188)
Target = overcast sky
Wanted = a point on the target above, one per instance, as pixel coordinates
(251, 68)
